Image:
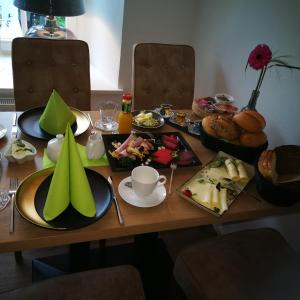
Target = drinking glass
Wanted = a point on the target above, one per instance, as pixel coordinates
(108, 114)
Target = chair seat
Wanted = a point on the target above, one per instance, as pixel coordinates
(122, 282)
(252, 264)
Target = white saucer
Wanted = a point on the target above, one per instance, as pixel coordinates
(3, 131)
(129, 196)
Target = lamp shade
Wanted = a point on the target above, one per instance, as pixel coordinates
(66, 8)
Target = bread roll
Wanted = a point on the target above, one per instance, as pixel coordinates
(266, 164)
(220, 127)
(207, 124)
(249, 139)
(250, 120)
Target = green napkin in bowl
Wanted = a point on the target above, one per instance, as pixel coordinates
(56, 115)
(69, 183)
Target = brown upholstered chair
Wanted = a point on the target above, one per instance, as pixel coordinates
(163, 73)
(253, 264)
(41, 65)
(122, 282)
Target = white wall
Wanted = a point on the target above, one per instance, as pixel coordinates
(166, 21)
(226, 32)
(101, 28)
(223, 33)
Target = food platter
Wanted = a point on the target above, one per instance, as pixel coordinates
(147, 119)
(159, 153)
(28, 123)
(32, 192)
(215, 186)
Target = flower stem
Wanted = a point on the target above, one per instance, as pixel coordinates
(259, 79)
(262, 77)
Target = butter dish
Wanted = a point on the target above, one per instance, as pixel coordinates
(20, 151)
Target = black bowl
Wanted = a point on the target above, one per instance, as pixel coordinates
(275, 194)
(247, 154)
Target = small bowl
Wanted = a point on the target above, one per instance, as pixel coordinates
(23, 157)
(275, 194)
(224, 98)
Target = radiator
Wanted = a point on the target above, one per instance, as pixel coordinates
(7, 104)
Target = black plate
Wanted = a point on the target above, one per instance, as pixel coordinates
(247, 154)
(28, 122)
(70, 218)
(154, 115)
(275, 194)
(115, 164)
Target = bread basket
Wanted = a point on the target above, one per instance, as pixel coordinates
(275, 194)
(247, 154)
(278, 175)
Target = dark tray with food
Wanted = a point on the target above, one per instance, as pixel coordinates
(241, 135)
(278, 175)
(157, 150)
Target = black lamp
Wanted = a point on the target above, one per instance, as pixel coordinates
(50, 8)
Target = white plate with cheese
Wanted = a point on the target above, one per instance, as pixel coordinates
(218, 183)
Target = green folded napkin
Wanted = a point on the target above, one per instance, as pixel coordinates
(56, 115)
(101, 162)
(69, 183)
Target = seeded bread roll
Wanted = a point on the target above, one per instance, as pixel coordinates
(249, 139)
(220, 127)
(250, 120)
(207, 124)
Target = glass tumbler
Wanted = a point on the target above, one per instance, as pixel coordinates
(108, 115)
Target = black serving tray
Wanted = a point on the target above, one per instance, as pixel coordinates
(115, 164)
(247, 154)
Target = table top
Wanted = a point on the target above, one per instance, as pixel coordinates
(173, 213)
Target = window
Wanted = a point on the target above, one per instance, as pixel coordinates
(9, 24)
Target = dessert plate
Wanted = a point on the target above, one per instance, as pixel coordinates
(129, 196)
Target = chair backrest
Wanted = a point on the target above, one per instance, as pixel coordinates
(163, 73)
(41, 65)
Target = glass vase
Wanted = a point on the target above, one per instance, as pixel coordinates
(252, 102)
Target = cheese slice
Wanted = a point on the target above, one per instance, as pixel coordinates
(202, 193)
(215, 196)
(231, 169)
(206, 195)
(242, 171)
(223, 200)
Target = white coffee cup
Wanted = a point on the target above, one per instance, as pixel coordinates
(145, 179)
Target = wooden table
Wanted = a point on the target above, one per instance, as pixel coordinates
(173, 213)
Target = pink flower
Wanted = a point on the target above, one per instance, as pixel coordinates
(260, 56)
